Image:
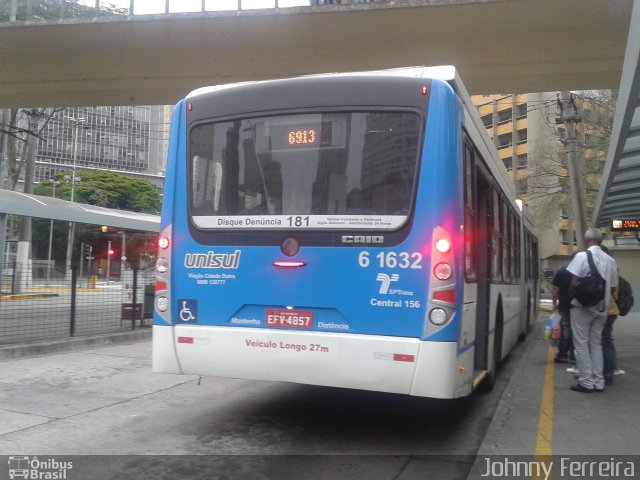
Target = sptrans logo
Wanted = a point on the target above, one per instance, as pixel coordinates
(385, 281)
(35, 469)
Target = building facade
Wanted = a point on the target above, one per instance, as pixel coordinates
(131, 140)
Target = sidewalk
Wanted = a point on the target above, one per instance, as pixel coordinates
(45, 347)
(539, 415)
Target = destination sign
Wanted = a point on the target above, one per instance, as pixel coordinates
(626, 224)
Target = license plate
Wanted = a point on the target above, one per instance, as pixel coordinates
(289, 319)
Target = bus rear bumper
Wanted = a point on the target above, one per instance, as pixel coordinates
(164, 358)
(366, 362)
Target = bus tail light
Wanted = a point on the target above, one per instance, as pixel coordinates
(438, 316)
(162, 265)
(442, 297)
(443, 271)
(289, 264)
(162, 304)
(447, 296)
(163, 274)
(443, 245)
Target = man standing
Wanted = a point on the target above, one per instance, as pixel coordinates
(561, 298)
(587, 323)
(608, 347)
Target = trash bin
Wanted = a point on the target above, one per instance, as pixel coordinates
(130, 312)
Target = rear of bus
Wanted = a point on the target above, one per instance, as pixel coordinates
(310, 234)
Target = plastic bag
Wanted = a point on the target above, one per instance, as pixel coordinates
(552, 328)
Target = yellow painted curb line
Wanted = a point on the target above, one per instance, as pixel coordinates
(544, 436)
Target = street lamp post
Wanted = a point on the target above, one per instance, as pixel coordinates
(77, 122)
(54, 184)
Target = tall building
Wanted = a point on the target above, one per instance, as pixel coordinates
(505, 118)
(131, 140)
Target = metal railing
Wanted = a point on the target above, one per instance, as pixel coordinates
(61, 308)
(48, 10)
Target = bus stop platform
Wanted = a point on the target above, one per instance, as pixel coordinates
(539, 419)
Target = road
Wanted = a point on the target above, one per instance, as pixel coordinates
(105, 401)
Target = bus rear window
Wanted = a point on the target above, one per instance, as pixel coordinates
(352, 170)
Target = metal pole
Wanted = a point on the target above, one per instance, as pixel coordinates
(123, 257)
(72, 225)
(3, 234)
(3, 160)
(81, 258)
(72, 319)
(50, 238)
(108, 261)
(135, 298)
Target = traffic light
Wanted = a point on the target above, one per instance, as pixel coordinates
(110, 251)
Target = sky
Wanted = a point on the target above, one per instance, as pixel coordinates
(142, 7)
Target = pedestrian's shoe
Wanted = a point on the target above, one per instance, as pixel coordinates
(579, 388)
(572, 370)
(619, 372)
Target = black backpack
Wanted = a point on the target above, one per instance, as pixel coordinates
(625, 296)
(590, 290)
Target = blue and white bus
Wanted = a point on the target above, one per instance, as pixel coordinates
(348, 230)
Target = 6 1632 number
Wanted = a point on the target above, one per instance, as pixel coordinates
(391, 260)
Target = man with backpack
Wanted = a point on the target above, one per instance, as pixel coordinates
(594, 280)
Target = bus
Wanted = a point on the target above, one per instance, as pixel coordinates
(347, 230)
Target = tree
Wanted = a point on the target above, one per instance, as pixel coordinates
(107, 189)
(23, 129)
(548, 175)
(102, 188)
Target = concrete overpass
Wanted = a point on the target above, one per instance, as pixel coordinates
(497, 45)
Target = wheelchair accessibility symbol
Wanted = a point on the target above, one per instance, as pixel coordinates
(188, 311)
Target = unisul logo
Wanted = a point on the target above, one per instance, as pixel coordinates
(32, 468)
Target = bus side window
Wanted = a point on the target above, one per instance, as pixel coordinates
(470, 216)
(496, 263)
(506, 240)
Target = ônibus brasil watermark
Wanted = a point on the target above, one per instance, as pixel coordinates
(32, 468)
